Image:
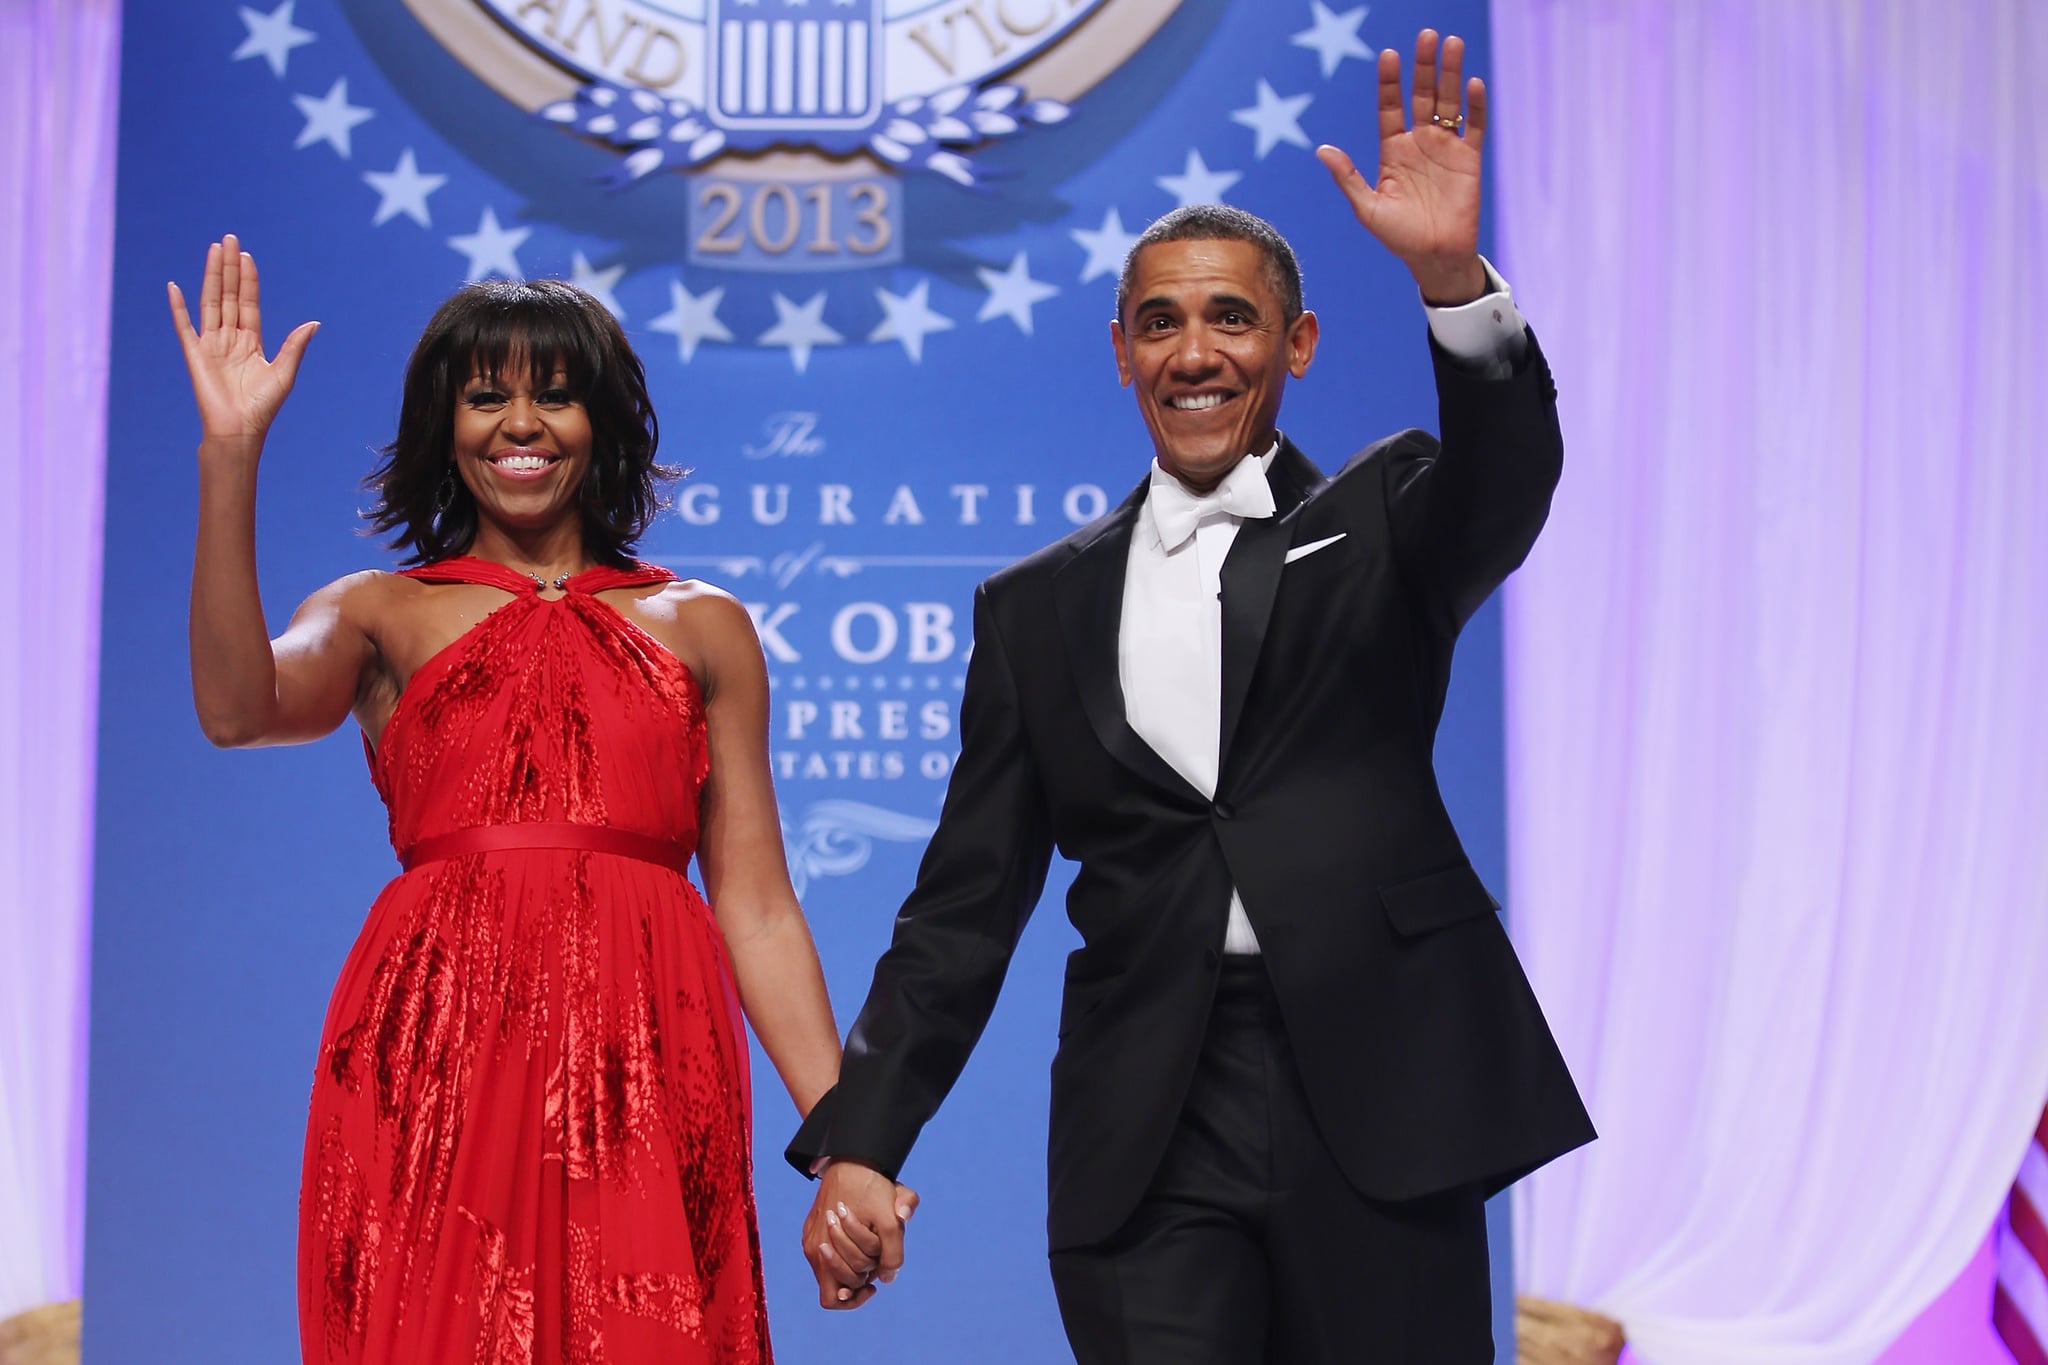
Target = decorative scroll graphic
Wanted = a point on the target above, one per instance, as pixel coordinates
(785, 568)
(836, 838)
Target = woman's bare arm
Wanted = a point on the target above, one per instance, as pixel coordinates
(782, 987)
(247, 689)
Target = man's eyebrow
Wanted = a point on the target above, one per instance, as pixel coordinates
(1241, 304)
(1156, 301)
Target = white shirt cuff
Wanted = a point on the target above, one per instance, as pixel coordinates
(1488, 333)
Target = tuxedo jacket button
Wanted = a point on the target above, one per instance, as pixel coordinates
(1225, 811)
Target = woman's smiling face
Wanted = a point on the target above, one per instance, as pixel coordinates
(521, 445)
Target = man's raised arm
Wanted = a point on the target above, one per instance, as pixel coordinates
(1465, 513)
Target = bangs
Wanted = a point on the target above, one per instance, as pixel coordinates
(520, 329)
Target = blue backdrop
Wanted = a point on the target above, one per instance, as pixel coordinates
(870, 267)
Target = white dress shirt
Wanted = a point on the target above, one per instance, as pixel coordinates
(1170, 645)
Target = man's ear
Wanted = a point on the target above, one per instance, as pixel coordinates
(1123, 362)
(1301, 343)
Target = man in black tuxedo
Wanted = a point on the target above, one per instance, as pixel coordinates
(1296, 1049)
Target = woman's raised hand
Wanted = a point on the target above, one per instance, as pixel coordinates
(238, 391)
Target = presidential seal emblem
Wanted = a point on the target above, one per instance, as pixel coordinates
(796, 121)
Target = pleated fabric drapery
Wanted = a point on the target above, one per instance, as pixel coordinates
(1778, 748)
(59, 65)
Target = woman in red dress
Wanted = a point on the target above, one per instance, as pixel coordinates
(530, 1128)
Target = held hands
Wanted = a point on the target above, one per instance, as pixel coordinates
(853, 1236)
(1425, 206)
(238, 391)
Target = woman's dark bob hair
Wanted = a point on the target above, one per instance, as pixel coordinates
(534, 327)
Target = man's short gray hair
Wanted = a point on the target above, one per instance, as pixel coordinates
(1221, 223)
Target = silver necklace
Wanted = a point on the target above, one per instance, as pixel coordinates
(559, 585)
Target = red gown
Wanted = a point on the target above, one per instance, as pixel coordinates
(529, 1139)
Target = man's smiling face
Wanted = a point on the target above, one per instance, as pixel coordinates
(1205, 341)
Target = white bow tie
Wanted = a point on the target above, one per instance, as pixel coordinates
(1176, 511)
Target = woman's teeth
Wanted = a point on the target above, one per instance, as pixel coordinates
(523, 464)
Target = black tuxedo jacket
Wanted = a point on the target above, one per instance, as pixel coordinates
(1425, 1058)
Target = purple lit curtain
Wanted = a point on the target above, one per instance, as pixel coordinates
(58, 83)
(1778, 671)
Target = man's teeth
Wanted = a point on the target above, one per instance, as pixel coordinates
(525, 464)
(1196, 402)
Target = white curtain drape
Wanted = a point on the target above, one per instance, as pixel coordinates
(58, 84)
(1778, 671)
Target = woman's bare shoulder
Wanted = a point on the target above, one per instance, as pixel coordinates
(696, 594)
(352, 597)
(702, 623)
(365, 597)
(693, 603)
(390, 607)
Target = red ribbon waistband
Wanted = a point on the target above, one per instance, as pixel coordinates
(548, 834)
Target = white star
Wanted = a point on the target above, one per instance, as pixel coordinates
(1335, 36)
(404, 190)
(909, 319)
(692, 318)
(1106, 246)
(1198, 184)
(1012, 292)
(800, 327)
(329, 118)
(491, 248)
(598, 283)
(1274, 119)
(272, 37)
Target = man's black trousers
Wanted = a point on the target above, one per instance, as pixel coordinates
(1251, 1248)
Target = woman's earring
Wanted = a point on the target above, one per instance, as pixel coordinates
(444, 496)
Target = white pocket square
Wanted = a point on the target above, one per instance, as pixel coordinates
(1304, 551)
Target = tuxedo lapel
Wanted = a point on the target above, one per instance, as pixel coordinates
(1251, 577)
(1088, 595)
